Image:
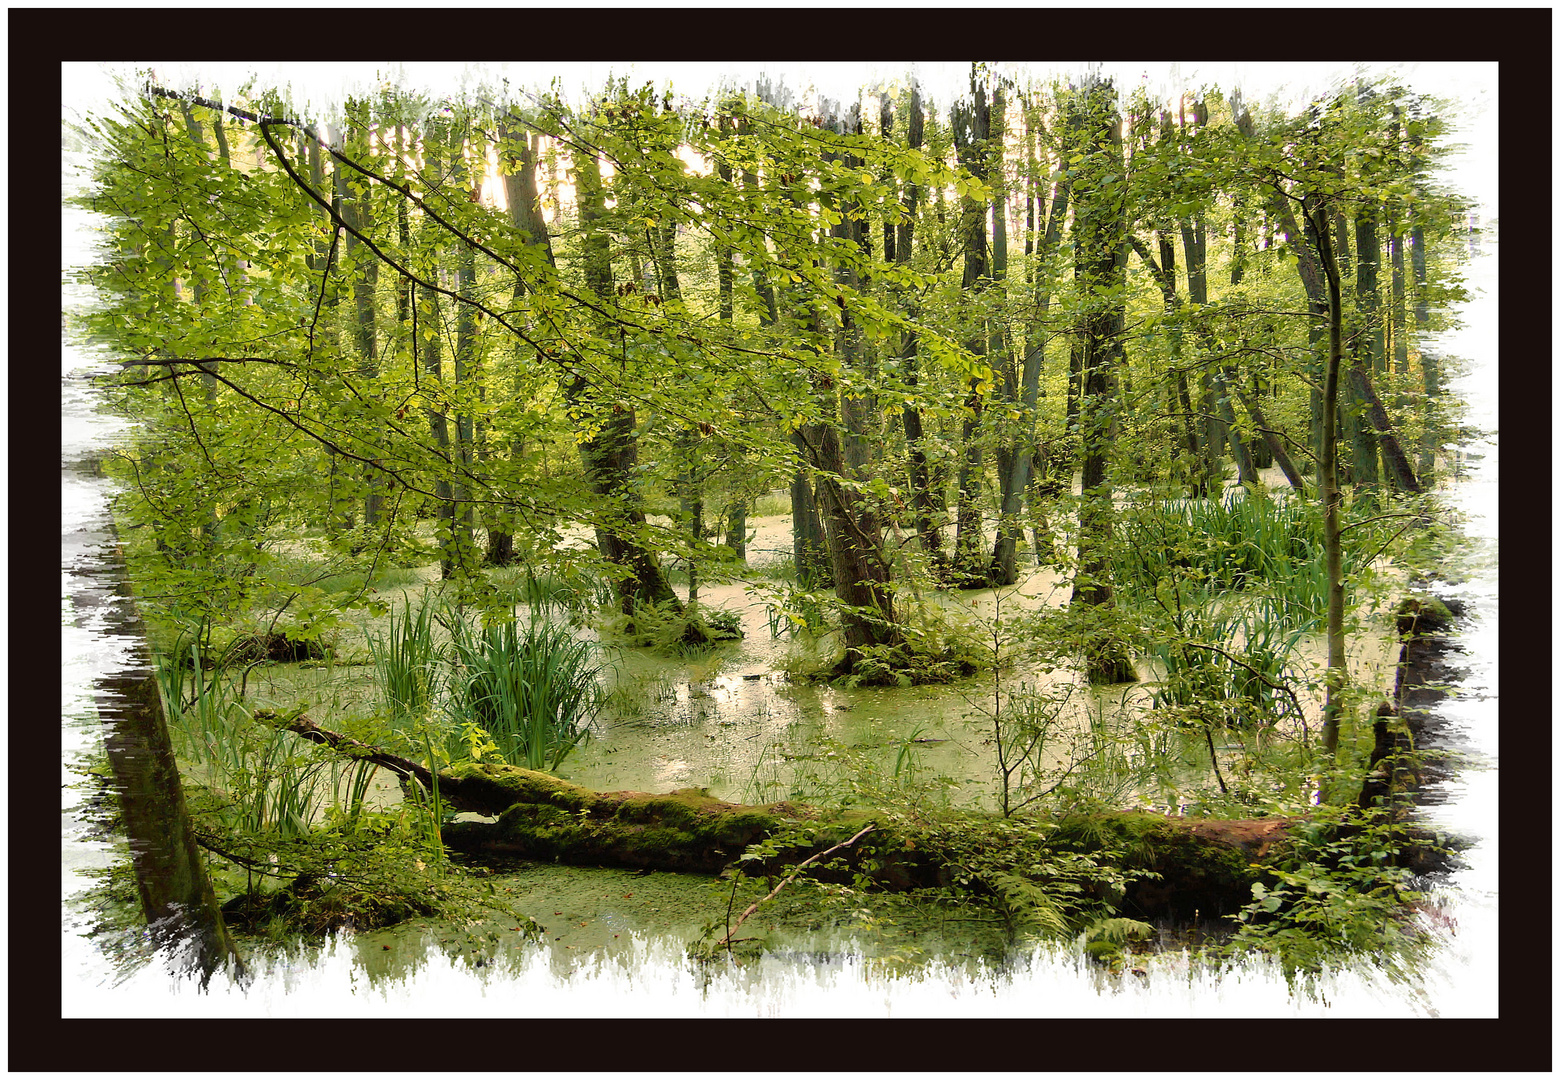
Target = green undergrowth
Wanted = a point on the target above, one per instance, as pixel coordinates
(663, 629)
(1341, 892)
(376, 870)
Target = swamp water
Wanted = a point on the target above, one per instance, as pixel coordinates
(617, 936)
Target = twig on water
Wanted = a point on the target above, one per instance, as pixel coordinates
(755, 905)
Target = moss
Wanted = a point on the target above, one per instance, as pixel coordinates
(313, 908)
(499, 786)
(1199, 868)
(1418, 615)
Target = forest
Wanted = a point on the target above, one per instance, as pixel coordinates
(1022, 506)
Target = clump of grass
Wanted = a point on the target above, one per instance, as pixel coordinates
(1241, 542)
(265, 780)
(534, 692)
(1226, 665)
(405, 662)
(551, 590)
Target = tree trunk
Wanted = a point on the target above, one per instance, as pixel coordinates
(1101, 245)
(466, 378)
(610, 456)
(689, 483)
(176, 895)
(1275, 445)
(726, 279)
(523, 197)
(1019, 454)
(1370, 344)
(1392, 454)
(1305, 244)
(810, 547)
(928, 527)
(357, 210)
(1337, 674)
(860, 566)
(971, 130)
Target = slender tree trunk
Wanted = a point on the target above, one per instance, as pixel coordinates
(1305, 244)
(357, 210)
(810, 546)
(1399, 308)
(1275, 445)
(971, 129)
(1429, 366)
(1337, 674)
(339, 511)
(198, 295)
(521, 151)
(1370, 345)
(923, 499)
(1398, 467)
(725, 270)
(1016, 457)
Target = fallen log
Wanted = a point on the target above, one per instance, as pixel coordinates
(1175, 868)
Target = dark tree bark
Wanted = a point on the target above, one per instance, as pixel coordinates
(810, 545)
(1337, 673)
(1369, 346)
(1163, 272)
(1429, 366)
(725, 271)
(610, 456)
(176, 896)
(357, 210)
(466, 377)
(1304, 244)
(1016, 457)
(1399, 307)
(689, 483)
(521, 151)
(1398, 467)
(855, 534)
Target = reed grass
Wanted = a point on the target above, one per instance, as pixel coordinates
(406, 660)
(533, 691)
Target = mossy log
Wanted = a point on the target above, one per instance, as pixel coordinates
(1191, 865)
(1178, 867)
(1206, 866)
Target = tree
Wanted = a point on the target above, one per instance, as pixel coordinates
(972, 141)
(1101, 246)
(1042, 239)
(611, 453)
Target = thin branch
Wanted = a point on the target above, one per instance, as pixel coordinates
(804, 864)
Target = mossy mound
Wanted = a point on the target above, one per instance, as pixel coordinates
(902, 666)
(1187, 869)
(277, 646)
(1421, 615)
(314, 907)
(665, 628)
